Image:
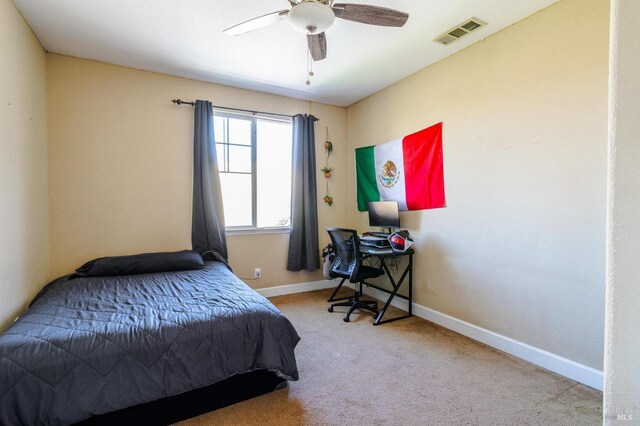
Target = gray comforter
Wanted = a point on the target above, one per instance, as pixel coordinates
(93, 345)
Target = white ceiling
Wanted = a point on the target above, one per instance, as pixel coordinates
(184, 38)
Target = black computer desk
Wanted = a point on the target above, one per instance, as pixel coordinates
(382, 255)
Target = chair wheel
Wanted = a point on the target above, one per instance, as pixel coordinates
(345, 319)
(330, 309)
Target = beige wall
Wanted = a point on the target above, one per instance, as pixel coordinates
(622, 342)
(520, 248)
(121, 166)
(24, 202)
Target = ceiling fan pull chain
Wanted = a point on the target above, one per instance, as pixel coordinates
(309, 68)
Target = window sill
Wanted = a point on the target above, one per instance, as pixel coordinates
(258, 231)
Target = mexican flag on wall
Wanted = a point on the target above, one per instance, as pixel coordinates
(407, 170)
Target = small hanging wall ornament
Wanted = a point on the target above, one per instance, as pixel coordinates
(328, 198)
(327, 171)
(328, 146)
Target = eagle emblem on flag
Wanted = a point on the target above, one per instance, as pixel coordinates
(389, 174)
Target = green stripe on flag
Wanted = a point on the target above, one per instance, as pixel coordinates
(367, 188)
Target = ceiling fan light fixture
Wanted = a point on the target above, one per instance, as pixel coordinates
(310, 17)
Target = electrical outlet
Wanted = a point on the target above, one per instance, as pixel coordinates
(258, 273)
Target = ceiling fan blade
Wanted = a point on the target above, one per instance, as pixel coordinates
(372, 15)
(317, 46)
(256, 23)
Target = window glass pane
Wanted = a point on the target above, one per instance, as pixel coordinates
(218, 128)
(221, 159)
(236, 192)
(239, 131)
(240, 159)
(274, 173)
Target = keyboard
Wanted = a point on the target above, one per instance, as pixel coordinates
(376, 242)
(376, 250)
(372, 238)
(379, 234)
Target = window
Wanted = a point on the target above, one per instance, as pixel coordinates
(254, 159)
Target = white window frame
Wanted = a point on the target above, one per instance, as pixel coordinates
(253, 118)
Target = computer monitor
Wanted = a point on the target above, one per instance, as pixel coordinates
(384, 214)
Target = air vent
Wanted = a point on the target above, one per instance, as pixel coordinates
(459, 31)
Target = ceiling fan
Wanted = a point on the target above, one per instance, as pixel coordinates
(313, 17)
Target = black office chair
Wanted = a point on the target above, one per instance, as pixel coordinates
(348, 265)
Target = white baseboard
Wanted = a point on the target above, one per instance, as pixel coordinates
(296, 288)
(563, 366)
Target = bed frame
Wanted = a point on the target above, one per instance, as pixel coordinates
(193, 403)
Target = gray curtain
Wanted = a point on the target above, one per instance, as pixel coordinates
(207, 225)
(303, 239)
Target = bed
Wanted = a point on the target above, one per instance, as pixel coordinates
(90, 346)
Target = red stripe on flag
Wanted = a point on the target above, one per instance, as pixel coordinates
(423, 169)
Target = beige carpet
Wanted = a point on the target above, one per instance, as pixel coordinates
(409, 372)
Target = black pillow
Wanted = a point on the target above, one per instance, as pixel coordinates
(145, 263)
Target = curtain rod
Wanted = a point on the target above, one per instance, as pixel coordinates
(181, 102)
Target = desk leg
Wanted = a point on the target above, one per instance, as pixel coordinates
(396, 287)
(411, 284)
(332, 298)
